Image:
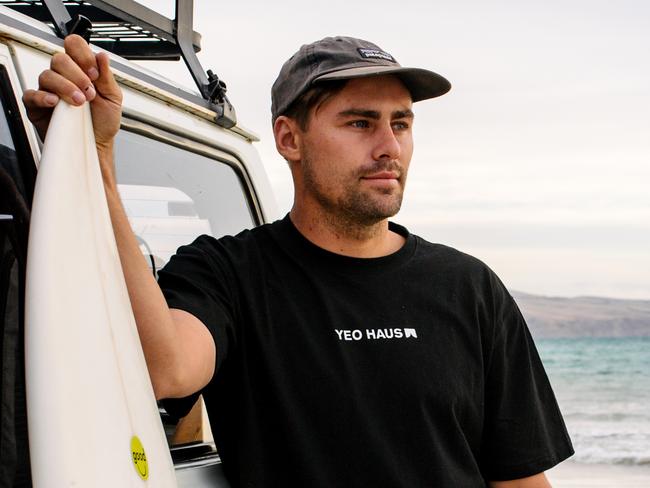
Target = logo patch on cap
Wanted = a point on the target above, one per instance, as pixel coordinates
(376, 53)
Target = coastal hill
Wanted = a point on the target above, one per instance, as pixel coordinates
(553, 317)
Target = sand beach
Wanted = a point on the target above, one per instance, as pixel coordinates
(577, 475)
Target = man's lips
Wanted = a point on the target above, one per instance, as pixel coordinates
(384, 175)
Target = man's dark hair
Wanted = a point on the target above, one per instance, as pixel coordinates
(300, 110)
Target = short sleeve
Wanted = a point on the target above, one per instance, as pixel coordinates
(524, 433)
(199, 280)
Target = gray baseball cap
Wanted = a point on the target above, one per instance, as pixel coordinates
(342, 58)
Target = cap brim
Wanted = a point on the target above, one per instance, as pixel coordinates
(422, 83)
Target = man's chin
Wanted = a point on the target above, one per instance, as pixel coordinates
(367, 214)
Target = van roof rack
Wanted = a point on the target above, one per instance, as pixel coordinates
(133, 31)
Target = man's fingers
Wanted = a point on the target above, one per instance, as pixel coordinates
(79, 50)
(39, 106)
(54, 83)
(64, 65)
(106, 83)
(39, 99)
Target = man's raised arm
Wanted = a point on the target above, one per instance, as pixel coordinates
(178, 347)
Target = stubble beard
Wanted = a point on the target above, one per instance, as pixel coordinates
(352, 211)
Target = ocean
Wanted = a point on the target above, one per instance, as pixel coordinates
(603, 388)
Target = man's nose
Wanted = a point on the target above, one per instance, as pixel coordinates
(386, 144)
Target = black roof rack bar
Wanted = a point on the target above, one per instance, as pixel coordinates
(137, 14)
(59, 16)
(126, 13)
(211, 87)
(135, 32)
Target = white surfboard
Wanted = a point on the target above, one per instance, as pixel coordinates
(93, 419)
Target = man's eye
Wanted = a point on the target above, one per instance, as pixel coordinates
(360, 124)
(400, 125)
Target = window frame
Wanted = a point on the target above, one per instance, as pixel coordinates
(203, 148)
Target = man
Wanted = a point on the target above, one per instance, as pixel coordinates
(334, 348)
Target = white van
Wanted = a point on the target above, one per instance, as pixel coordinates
(184, 166)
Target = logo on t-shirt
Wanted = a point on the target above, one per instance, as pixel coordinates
(375, 334)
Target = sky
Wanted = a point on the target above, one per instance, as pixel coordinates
(538, 159)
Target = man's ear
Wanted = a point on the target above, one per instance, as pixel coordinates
(287, 135)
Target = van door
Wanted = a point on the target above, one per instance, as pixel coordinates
(17, 177)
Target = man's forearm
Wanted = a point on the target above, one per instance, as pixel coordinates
(163, 342)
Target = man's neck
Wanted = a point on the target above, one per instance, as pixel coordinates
(341, 237)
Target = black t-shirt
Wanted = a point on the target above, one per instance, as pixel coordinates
(410, 370)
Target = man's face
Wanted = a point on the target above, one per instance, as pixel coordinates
(356, 151)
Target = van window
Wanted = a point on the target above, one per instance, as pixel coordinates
(172, 195)
(5, 133)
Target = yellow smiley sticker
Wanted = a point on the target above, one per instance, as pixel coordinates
(139, 458)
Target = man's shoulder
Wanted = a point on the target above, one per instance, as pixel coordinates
(239, 244)
(255, 236)
(448, 255)
(243, 237)
(453, 269)
(425, 249)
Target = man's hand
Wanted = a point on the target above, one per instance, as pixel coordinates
(77, 76)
